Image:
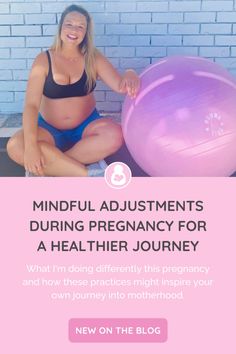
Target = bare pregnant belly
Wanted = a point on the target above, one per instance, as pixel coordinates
(67, 113)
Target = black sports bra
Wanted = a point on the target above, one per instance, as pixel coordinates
(53, 90)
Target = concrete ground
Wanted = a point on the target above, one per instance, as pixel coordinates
(9, 124)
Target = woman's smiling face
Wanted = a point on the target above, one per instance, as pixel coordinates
(73, 28)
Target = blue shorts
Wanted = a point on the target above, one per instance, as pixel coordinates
(65, 139)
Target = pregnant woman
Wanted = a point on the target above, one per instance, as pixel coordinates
(63, 133)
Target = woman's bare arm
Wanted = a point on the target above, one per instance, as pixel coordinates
(33, 159)
(33, 98)
(127, 83)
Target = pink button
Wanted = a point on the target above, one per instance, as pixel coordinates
(94, 330)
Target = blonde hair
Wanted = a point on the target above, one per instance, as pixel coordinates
(87, 47)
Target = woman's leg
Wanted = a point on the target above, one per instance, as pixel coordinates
(60, 165)
(100, 139)
(15, 145)
(56, 162)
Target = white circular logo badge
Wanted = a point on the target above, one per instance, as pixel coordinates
(118, 175)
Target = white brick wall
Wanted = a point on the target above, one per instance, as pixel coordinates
(132, 33)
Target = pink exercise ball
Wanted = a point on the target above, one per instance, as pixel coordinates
(183, 120)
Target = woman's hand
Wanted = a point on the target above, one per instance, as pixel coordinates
(130, 83)
(33, 160)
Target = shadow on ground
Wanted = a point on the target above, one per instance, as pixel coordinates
(8, 168)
